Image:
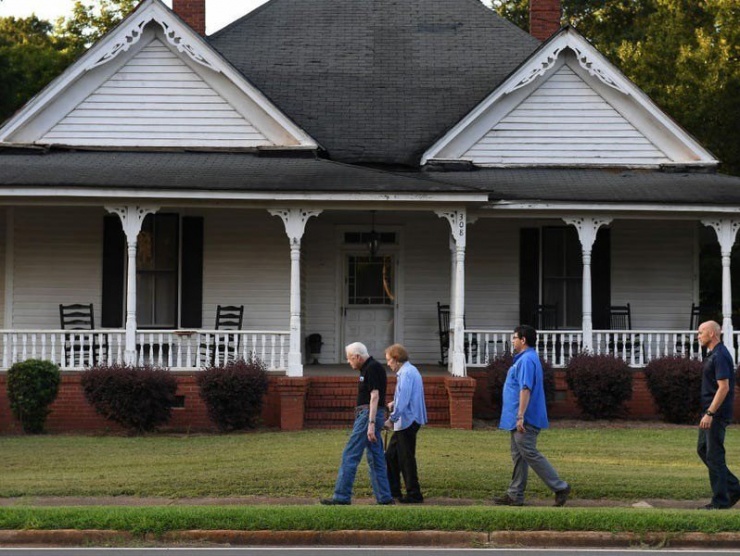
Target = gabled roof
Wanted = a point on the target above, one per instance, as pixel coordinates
(375, 81)
(153, 82)
(568, 106)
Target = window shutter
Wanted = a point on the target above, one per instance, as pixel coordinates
(114, 272)
(529, 274)
(192, 272)
(601, 289)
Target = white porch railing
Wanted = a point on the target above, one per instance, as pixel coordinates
(556, 346)
(175, 349)
(636, 347)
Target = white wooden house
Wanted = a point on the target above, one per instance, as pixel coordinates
(166, 173)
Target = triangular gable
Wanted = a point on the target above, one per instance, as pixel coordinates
(153, 82)
(568, 106)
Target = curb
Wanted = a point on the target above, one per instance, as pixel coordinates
(497, 539)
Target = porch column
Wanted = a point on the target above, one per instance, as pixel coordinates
(587, 228)
(295, 224)
(457, 221)
(132, 216)
(726, 230)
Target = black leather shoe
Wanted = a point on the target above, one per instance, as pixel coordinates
(734, 499)
(333, 502)
(561, 496)
(711, 507)
(506, 500)
(389, 502)
(409, 500)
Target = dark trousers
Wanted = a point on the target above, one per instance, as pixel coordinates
(711, 450)
(400, 457)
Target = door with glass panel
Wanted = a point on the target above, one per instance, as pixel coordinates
(369, 303)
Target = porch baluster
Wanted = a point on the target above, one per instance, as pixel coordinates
(15, 348)
(24, 346)
(6, 351)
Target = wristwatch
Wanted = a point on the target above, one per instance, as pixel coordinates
(710, 413)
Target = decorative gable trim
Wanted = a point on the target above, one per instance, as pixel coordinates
(678, 146)
(175, 32)
(104, 59)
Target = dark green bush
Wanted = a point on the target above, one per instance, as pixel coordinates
(601, 383)
(675, 383)
(497, 370)
(139, 398)
(32, 387)
(234, 393)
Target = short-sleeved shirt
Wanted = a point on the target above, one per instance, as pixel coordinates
(718, 366)
(372, 377)
(526, 372)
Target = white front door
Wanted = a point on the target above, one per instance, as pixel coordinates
(369, 302)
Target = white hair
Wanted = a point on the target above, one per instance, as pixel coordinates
(357, 348)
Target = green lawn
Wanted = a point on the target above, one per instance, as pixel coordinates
(619, 464)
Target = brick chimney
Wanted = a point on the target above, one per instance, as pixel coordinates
(544, 18)
(192, 12)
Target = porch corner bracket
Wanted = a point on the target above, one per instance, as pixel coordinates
(132, 217)
(295, 220)
(458, 223)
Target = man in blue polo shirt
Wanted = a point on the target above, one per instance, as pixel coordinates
(524, 413)
(717, 399)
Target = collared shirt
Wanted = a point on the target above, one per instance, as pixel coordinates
(408, 400)
(526, 372)
(717, 365)
(372, 377)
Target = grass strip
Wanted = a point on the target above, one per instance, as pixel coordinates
(161, 519)
(617, 464)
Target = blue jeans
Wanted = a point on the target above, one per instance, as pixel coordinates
(711, 450)
(352, 455)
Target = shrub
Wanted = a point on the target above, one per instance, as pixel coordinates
(234, 393)
(32, 387)
(497, 370)
(138, 398)
(601, 384)
(675, 384)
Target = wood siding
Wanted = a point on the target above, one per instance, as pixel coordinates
(58, 254)
(246, 261)
(564, 121)
(155, 99)
(653, 271)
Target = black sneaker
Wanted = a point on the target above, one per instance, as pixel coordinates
(561, 496)
(709, 507)
(410, 500)
(506, 500)
(334, 502)
(389, 502)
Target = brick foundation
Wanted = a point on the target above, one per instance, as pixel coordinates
(319, 402)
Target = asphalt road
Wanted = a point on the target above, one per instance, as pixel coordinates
(325, 551)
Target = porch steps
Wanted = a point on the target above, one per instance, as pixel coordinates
(330, 401)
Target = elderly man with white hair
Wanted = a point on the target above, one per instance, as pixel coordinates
(369, 419)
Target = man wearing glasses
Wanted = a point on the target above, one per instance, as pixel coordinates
(524, 414)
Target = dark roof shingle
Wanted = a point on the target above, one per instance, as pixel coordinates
(375, 80)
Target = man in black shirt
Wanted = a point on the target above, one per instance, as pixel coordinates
(369, 418)
(717, 398)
